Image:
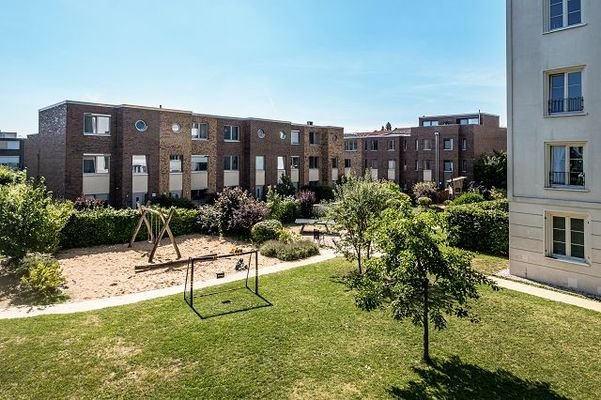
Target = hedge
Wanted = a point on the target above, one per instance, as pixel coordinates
(479, 227)
(110, 226)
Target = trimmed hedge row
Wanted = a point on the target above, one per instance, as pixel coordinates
(480, 227)
(110, 226)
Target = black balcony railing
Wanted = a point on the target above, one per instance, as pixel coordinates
(566, 178)
(570, 104)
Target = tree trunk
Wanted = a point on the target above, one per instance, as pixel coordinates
(359, 261)
(426, 357)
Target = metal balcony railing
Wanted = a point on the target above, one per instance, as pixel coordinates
(570, 104)
(566, 178)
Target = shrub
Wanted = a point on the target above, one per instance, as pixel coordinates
(9, 176)
(30, 219)
(207, 220)
(424, 201)
(282, 208)
(285, 187)
(491, 169)
(322, 192)
(468, 198)
(289, 251)
(110, 226)
(266, 230)
(478, 228)
(288, 236)
(307, 199)
(447, 202)
(41, 276)
(165, 201)
(82, 203)
(425, 189)
(238, 211)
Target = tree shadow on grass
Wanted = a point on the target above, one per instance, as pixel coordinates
(453, 379)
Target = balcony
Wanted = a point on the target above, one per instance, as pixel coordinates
(566, 105)
(563, 178)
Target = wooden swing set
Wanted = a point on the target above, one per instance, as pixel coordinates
(157, 223)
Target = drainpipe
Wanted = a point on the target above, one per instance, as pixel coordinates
(437, 158)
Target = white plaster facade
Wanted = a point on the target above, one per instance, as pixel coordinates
(533, 53)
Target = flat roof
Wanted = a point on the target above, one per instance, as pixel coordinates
(457, 115)
(87, 103)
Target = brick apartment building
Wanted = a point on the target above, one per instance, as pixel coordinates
(125, 153)
(439, 149)
(11, 150)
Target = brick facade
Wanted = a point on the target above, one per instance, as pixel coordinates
(57, 151)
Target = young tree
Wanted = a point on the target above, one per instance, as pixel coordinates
(30, 219)
(491, 169)
(356, 209)
(388, 126)
(419, 276)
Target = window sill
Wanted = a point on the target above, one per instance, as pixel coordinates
(568, 189)
(202, 139)
(96, 134)
(567, 114)
(231, 141)
(565, 28)
(95, 174)
(427, 149)
(140, 174)
(176, 173)
(199, 172)
(574, 261)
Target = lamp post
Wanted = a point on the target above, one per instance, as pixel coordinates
(436, 133)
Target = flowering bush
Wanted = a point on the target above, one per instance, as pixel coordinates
(307, 198)
(237, 211)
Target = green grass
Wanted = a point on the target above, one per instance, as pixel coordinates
(312, 343)
(489, 264)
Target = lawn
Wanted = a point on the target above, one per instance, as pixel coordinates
(311, 343)
(489, 264)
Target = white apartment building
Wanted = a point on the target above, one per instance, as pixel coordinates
(554, 141)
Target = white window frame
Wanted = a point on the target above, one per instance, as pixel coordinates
(348, 164)
(417, 165)
(314, 138)
(95, 157)
(445, 140)
(95, 124)
(350, 145)
(444, 166)
(565, 16)
(8, 161)
(281, 163)
(391, 145)
(392, 164)
(295, 133)
(6, 144)
(374, 145)
(262, 166)
(548, 164)
(140, 171)
(430, 123)
(464, 144)
(568, 239)
(231, 163)
(197, 157)
(565, 72)
(427, 165)
(429, 146)
(232, 129)
(197, 125)
(176, 157)
(292, 162)
(316, 163)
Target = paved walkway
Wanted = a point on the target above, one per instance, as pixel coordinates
(548, 294)
(97, 304)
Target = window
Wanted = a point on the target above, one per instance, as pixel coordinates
(175, 163)
(464, 165)
(448, 166)
(350, 145)
(281, 163)
(427, 165)
(200, 163)
(347, 163)
(464, 144)
(10, 161)
(374, 145)
(416, 144)
(200, 131)
(313, 162)
(567, 236)
(565, 92)
(295, 137)
(417, 165)
(334, 163)
(95, 124)
(313, 137)
(260, 163)
(365, 145)
(140, 125)
(427, 144)
(138, 165)
(230, 163)
(468, 121)
(404, 145)
(391, 145)
(391, 164)
(564, 13)
(294, 162)
(231, 133)
(96, 164)
(370, 164)
(447, 143)
(404, 165)
(430, 123)
(10, 145)
(566, 165)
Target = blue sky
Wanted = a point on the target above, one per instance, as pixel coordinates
(355, 64)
